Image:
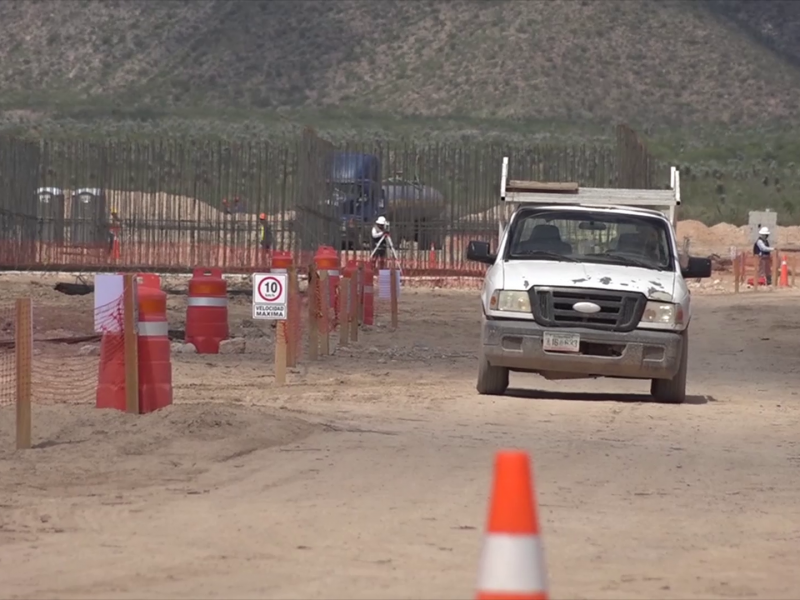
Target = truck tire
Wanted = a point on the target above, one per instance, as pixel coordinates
(673, 391)
(492, 381)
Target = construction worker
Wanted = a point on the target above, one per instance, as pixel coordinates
(380, 231)
(264, 235)
(763, 251)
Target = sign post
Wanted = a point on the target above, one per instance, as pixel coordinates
(270, 303)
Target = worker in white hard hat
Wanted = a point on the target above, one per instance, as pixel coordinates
(763, 251)
(380, 230)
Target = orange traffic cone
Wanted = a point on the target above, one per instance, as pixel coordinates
(784, 282)
(512, 560)
(432, 257)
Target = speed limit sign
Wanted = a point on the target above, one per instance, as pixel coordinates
(269, 296)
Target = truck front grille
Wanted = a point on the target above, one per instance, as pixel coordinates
(619, 311)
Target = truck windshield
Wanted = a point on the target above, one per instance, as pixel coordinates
(599, 237)
(347, 191)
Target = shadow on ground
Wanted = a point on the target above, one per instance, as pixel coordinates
(598, 397)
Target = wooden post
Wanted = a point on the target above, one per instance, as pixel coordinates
(775, 266)
(393, 296)
(280, 353)
(361, 294)
(23, 345)
(756, 270)
(325, 303)
(794, 269)
(353, 317)
(131, 341)
(743, 269)
(736, 260)
(293, 315)
(313, 306)
(344, 311)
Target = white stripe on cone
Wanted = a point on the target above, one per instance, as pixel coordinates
(512, 563)
(205, 301)
(153, 328)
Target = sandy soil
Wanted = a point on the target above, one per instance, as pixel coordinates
(367, 476)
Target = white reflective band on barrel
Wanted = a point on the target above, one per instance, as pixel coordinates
(333, 273)
(512, 564)
(153, 328)
(367, 289)
(278, 270)
(208, 302)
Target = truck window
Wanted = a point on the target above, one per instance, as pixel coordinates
(590, 237)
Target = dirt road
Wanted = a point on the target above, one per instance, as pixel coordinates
(367, 476)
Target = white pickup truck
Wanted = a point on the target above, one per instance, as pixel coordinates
(587, 282)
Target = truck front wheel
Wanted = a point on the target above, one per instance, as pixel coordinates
(673, 391)
(492, 381)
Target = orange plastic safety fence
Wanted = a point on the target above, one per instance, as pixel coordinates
(67, 352)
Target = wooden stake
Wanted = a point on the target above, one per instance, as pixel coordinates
(280, 353)
(353, 318)
(313, 305)
(743, 270)
(361, 295)
(794, 269)
(393, 296)
(325, 302)
(344, 319)
(293, 315)
(23, 344)
(131, 340)
(736, 260)
(756, 270)
(776, 268)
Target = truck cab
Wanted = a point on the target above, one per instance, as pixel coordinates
(587, 282)
(357, 194)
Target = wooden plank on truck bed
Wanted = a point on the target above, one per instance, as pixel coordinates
(519, 185)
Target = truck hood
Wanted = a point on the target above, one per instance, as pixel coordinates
(522, 274)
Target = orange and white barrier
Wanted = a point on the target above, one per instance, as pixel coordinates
(784, 279)
(512, 563)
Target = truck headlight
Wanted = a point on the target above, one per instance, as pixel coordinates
(510, 301)
(662, 313)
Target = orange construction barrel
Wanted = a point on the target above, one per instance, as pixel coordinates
(207, 310)
(281, 261)
(155, 363)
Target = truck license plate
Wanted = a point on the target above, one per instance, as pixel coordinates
(561, 342)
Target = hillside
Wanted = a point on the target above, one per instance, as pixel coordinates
(649, 63)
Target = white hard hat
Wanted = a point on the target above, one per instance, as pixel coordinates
(380, 221)
(763, 231)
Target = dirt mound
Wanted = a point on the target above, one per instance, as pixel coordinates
(79, 445)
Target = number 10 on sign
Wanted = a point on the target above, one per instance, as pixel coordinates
(269, 296)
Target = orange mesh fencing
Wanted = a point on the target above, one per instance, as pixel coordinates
(66, 361)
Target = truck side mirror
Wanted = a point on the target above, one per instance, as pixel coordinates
(479, 252)
(696, 268)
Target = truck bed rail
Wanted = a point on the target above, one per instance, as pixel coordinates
(535, 192)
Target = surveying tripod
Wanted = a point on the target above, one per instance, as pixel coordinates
(386, 239)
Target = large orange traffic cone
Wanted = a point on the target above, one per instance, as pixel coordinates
(512, 560)
(784, 281)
